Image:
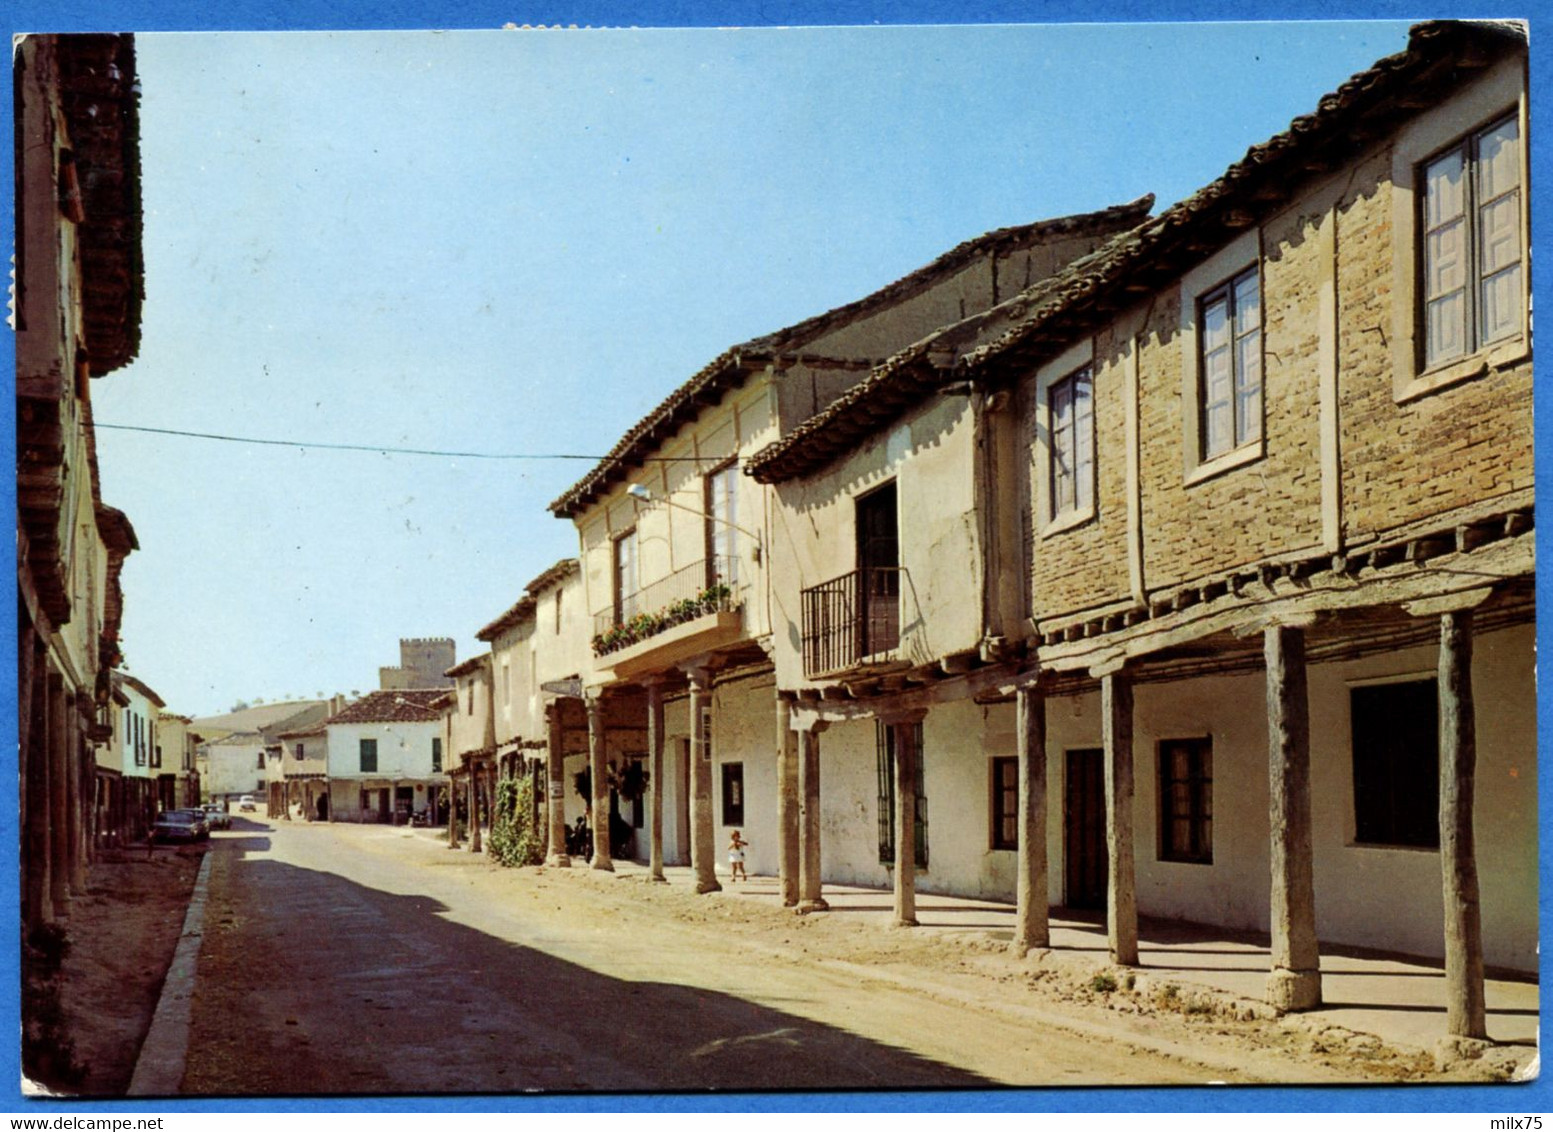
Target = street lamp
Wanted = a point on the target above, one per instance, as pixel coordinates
(641, 492)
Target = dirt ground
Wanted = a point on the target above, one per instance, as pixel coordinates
(394, 965)
(122, 935)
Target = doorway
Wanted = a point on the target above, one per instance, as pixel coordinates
(879, 577)
(1084, 848)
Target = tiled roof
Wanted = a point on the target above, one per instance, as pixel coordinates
(708, 385)
(409, 706)
(1043, 320)
(473, 664)
(253, 718)
(524, 606)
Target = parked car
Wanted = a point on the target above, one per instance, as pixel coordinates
(216, 815)
(246, 804)
(179, 825)
(200, 820)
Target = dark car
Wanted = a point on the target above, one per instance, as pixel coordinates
(179, 825)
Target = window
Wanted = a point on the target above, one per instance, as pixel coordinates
(1471, 244)
(1186, 800)
(469, 705)
(301, 751)
(885, 742)
(722, 512)
(558, 613)
(436, 755)
(625, 577)
(1005, 802)
(1396, 764)
(261, 760)
(733, 793)
(369, 756)
(1071, 419)
(1230, 365)
(156, 755)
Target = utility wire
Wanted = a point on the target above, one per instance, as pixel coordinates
(387, 449)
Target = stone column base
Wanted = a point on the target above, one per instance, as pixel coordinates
(558, 861)
(1294, 990)
(658, 878)
(818, 904)
(900, 922)
(705, 886)
(602, 864)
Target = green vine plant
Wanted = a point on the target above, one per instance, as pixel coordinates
(515, 839)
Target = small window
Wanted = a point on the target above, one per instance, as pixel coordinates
(261, 760)
(1472, 290)
(733, 793)
(369, 756)
(1071, 420)
(558, 613)
(436, 755)
(1229, 371)
(470, 703)
(301, 751)
(1186, 800)
(1005, 802)
(156, 755)
(1396, 764)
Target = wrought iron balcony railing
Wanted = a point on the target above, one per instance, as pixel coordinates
(708, 586)
(850, 619)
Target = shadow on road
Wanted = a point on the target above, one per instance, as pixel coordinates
(312, 983)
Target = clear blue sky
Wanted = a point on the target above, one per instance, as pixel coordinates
(519, 242)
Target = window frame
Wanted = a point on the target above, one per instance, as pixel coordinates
(1427, 779)
(1468, 148)
(721, 537)
(1231, 262)
(362, 748)
(436, 754)
(624, 611)
(732, 779)
(1076, 359)
(1496, 95)
(1249, 425)
(1002, 807)
(1199, 787)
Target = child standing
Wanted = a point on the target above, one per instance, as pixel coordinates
(736, 857)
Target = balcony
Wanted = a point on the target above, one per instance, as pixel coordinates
(704, 595)
(852, 620)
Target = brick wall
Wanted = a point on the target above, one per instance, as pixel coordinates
(1404, 462)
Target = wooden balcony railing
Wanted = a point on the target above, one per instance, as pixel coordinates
(708, 586)
(850, 619)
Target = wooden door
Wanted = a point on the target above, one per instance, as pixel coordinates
(1084, 829)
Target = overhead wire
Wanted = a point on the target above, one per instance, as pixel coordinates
(385, 449)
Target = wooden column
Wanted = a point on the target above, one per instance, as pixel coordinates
(1121, 901)
(809, 897)
(903, 728)
(59, 796)
(598, 770)
(703, 842)
(655, 779)
(474, 807)
(1032, 922)
(1294, 982)
(555, 770)
(452, 812)
(787, 803)
(1465, 1012)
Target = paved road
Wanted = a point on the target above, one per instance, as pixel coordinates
(347, 959)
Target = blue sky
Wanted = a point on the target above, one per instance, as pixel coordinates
(519, 242)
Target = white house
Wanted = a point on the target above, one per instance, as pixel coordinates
(384, 755)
